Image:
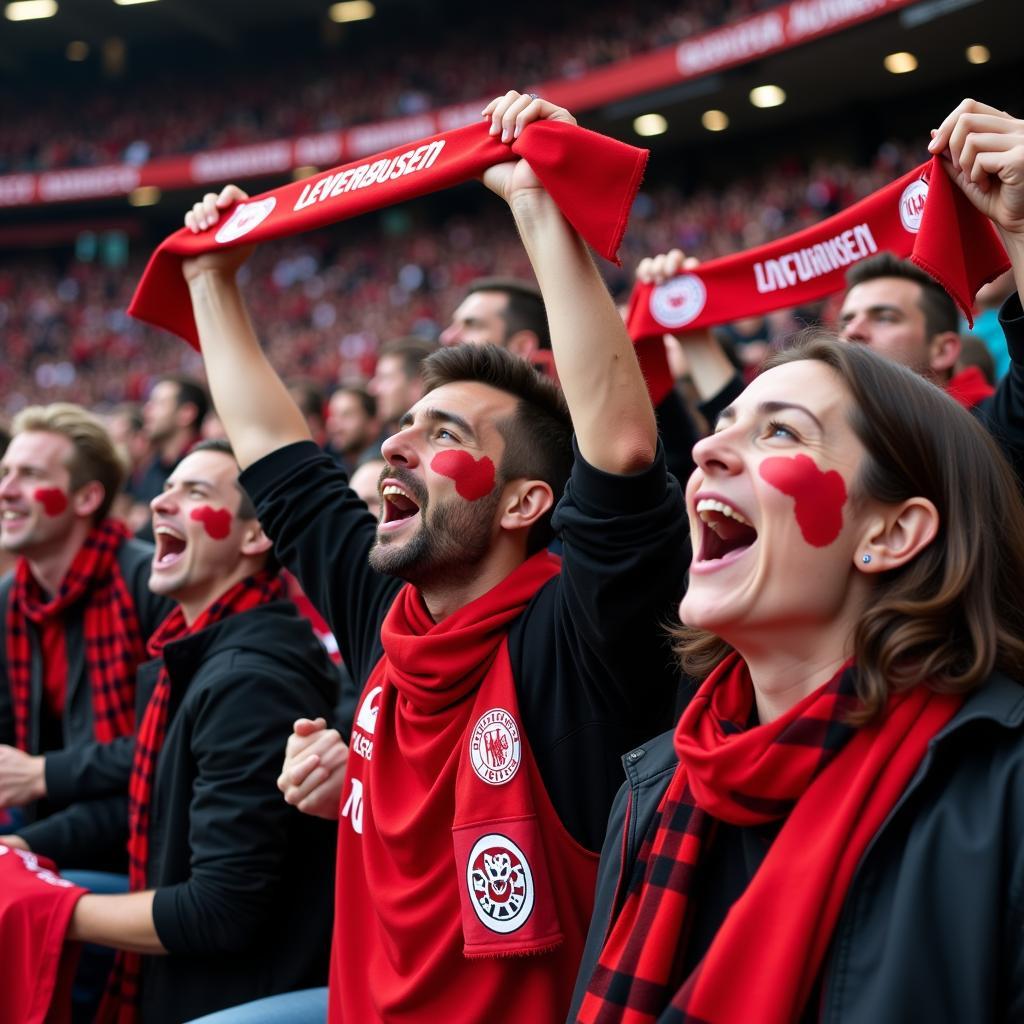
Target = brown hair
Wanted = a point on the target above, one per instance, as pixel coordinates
(954, 613)
(940, 312)
(525, 308)
(94, 456)
(538, 437)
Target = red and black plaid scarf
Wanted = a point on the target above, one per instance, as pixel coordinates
(833, 784)
(113, 640)
(120, 1003)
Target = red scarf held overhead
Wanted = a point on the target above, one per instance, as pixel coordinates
(832, 783)
(923, 216)
(113, 640)
(592, 178)
(120, 1003)
(37, 966)
(411, 912)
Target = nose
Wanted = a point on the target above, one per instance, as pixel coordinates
(451, 335)
(399, 449)
(164, 503)
(8, 485)
(855, 329)
(717, 454)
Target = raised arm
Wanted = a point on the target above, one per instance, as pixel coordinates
(253, 404)
(611, 411)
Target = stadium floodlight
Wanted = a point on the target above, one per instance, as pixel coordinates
(978, 54)
(144, 195)
(900, 63)
(765, 96)
(715, 120)
(78, 50)
(650, 124)
(30, 10)
(132, 3)
(351, 10)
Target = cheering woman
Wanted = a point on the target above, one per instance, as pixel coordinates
(835, 829)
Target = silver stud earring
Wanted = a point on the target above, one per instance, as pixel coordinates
(865, 559)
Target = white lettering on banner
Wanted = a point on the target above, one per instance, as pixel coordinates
(739, 42)
(244, 161)
(815, 261)
(89, 181)
(333, 185)
(815, 16)
(353, 809)
(319, 150)
(372, 138)
(17, 189)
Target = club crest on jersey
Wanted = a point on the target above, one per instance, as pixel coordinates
(500, 883)
(912, 205)
(244, 218)
(678, 300)
(495, 749)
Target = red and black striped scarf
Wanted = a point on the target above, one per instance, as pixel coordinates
(832, 783)
(120, 1003)
(113, 639)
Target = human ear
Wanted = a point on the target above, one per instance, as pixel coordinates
(944, 351)
(255, 541)
(88, 498)
(897, 535)
(524, 503)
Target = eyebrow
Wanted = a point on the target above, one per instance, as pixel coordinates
(188, 483)
(880, 307)
(440, 416)
(729, 412)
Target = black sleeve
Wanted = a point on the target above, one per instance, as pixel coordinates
(238, 823)
(678, 434)
(1003, 413)
(712, 408)
(323, 533)
(89, 770)
(90, 835)
(592, 655)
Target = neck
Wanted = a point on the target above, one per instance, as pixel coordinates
(193, 605)
(443, 598)
(49, 568)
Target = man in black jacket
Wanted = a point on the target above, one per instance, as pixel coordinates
(80, 584)
(224, 869)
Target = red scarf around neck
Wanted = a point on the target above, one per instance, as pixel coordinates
(403, 924)
(592, 178)
(923, 216)
(969, 387)
(833, 784)
(111, 633)
(120, 1004)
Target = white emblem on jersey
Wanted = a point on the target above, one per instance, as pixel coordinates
(495, 750)
(500, 883)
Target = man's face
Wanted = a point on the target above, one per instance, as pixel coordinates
(392, 388)
(36, 501)
(197, 530)
(479, 320)
(160, 413)
(440, 490)
(885, 314)
(349, 428)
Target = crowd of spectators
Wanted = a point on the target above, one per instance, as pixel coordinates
(167, 113)
(327, 301)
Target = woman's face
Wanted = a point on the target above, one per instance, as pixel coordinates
(775, 532)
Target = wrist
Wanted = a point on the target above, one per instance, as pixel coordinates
(38, 783)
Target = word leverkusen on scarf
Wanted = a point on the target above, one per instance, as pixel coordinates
(593, 179)
(922, 215)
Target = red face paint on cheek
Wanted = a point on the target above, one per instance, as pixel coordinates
(819, 496)
(53, 500)
(216, 521)
(474, 478)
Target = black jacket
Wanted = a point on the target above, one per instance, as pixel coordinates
(1002, 414)
(244, 883)
(69, 742)
(932, 927)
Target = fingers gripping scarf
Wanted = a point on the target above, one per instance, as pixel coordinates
(833, 783)
(113, 640)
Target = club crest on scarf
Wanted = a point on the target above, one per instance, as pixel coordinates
(678, 301)
(500, 883)
(244, 218)
(912, 204)
(495, 749)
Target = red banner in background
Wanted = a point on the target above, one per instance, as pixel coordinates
(781, 28)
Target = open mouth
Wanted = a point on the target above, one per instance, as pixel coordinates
(170, 546)
(724, 531)
(397, 506)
